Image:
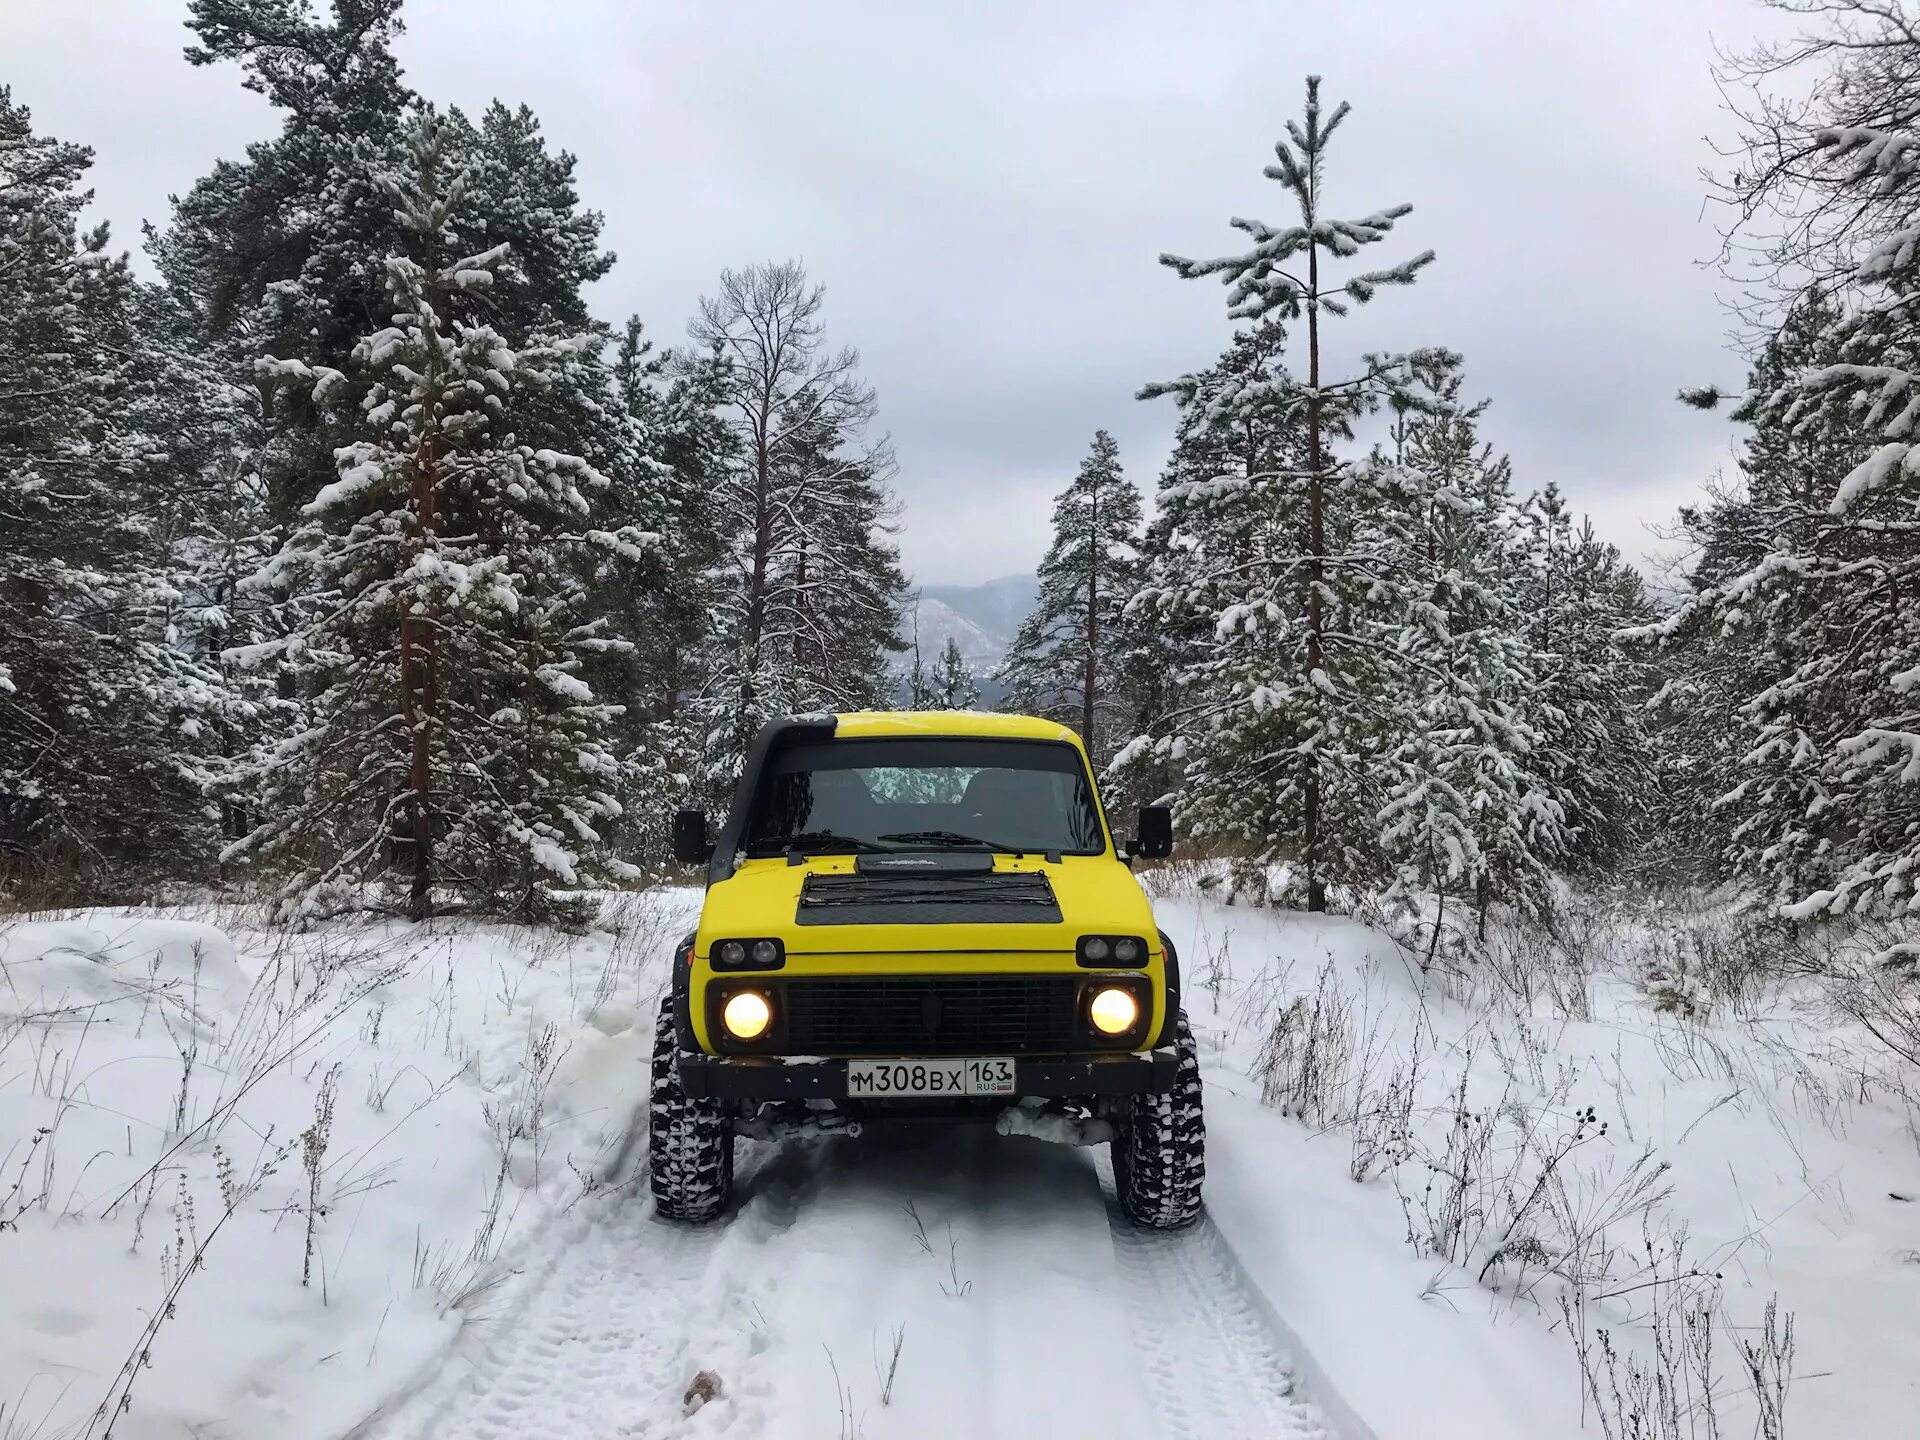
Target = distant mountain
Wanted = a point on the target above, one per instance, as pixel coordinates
(997, 607)
(982, 619)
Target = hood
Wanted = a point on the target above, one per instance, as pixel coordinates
(843, 904)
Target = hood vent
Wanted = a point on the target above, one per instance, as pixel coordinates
(1002, 897)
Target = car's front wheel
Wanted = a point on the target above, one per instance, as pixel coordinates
(1160, 1146)
(689, 1142)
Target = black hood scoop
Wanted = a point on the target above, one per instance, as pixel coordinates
(886, 891)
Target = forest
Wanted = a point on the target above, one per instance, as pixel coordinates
(354, 556)
(369, 604)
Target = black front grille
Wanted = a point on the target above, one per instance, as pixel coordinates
(942, 1015)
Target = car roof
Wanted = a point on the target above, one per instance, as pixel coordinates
(865, 723)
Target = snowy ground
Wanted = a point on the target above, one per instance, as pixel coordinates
(484, 1263)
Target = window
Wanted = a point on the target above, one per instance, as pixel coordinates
(1022, 795)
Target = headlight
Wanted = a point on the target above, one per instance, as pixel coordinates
(749, 954)
(1097, 951)
(746, 1015)
(1114, 1011)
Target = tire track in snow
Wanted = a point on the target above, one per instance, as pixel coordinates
(615, 1310)
(1213, 1365)
(588, 1348)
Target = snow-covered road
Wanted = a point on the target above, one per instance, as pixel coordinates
(1029, 1310)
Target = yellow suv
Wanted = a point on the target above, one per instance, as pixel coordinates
(924, 916)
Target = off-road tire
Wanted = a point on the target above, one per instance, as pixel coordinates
(1160, 1146)
(689, 1142)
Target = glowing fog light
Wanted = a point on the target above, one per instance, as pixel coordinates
(746, 1015)
(1114, 1011)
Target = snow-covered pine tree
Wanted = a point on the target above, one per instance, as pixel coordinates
(100, 714)
(282, 253)
(672, 454)
(953, 685)
(1576, 595)
(1829, 803)
(1202, 538)
(451, 735)
(1065, 662)
(1465, 808)
(810, 589)
(1735, 729)
(1278, 742)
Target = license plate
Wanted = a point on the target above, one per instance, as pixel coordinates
(991, 1075)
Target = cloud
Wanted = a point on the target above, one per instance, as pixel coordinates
(984, 190)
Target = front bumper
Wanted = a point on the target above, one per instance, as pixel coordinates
(768, 1077)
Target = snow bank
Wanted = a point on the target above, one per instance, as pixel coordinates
(164, 1083)
(1792, 1150)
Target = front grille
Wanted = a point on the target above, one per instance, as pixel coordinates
(943, 1015)
(997, 897)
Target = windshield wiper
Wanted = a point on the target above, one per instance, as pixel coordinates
(814, 840)
(949, 837)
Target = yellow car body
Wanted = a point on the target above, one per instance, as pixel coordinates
(1096, 893)
(924, 915)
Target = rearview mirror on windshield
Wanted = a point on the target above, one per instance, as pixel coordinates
(1154, 833)
(690, 843)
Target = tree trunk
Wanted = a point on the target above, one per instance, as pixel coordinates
(1317, 549)
(419, 679)
(762, 550)
(1093, 619)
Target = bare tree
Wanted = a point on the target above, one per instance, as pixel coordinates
(785, 388)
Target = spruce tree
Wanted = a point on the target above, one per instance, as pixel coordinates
(1589, 696)
(1065, 661)
(952, 685)
(1290, 687)
(1804, 601)
(102, 716)
(451, 735)
(1465, 807)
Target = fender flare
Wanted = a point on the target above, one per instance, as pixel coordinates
(681, 983)
(1172, 963)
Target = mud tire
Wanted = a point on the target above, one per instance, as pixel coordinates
(1159, 1148)
(689, 1142)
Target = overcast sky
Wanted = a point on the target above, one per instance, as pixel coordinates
(983, 189)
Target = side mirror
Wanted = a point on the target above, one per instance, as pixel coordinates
(1154, 840)
(690, 843)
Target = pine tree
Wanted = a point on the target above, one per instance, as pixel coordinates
(952, 685)
(1589, 699)
(1787, 655)
(1203, 536)
(1466, 809)
(1278, 733)
(1065, 661)
(283, 253)
(451, 733)
(100, 714)
(1812, 579)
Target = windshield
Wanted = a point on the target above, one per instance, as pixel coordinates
(1019, 795)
